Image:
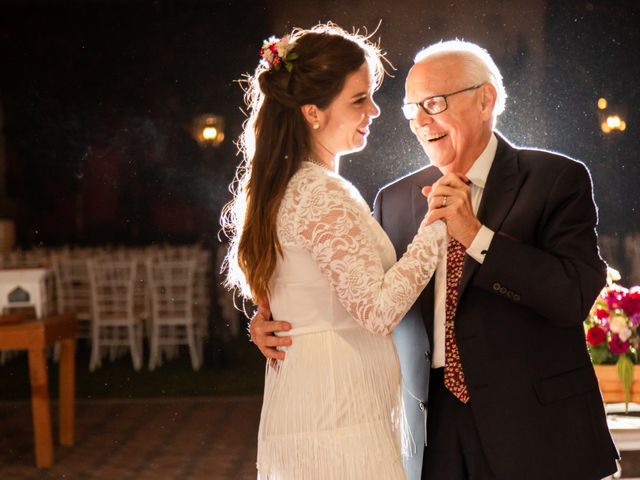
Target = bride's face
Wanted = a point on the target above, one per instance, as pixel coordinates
(344, 124)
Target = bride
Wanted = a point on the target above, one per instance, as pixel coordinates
(304, 241)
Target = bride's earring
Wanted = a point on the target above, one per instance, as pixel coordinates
(316, 125)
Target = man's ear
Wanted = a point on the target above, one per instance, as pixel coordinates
(310, 114)
(488, 99)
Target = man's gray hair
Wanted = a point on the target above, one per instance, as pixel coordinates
(479, 67)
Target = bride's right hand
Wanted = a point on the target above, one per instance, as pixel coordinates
(430, 217)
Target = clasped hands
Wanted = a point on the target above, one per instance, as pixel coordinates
(449, 200)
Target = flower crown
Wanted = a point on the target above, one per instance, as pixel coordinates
(276, 52)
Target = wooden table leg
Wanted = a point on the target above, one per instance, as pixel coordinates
(67, 383)
(40, 407)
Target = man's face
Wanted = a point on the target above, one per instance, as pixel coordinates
(454, 138)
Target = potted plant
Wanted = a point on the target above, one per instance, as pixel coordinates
(613, 335)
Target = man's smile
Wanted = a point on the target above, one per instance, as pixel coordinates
(435, 136)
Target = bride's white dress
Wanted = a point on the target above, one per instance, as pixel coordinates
(333, 408)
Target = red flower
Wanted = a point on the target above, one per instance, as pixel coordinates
(630, 303)
(601, 313)
(596, 335)
(617, 346)
(614, 295)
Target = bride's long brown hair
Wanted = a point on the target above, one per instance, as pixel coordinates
(276, 139)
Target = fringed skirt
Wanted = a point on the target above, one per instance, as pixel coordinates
(333, 410)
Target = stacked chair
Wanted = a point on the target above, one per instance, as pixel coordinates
(115, 324)
(174, 321)
(122, 294)
(74, 291)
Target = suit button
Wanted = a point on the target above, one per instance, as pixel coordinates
(503, 290)
(421, 406)
(496, 286)
(516, 297)
(509, 294)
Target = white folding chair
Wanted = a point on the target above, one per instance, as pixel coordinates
(229, 314)
(173, 323)
(114, 321)
(74, 291)
(202, 288)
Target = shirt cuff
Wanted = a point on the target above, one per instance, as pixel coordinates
(480, 245)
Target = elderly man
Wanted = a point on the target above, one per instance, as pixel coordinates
(494, 349)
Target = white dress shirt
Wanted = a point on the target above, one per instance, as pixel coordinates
(478, 175)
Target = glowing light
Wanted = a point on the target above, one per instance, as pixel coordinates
(208, 130)
(613, 121)
(209, 133)
(602, 103)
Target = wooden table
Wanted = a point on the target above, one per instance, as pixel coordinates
(34, 336)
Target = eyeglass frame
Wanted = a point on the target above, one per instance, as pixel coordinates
(443, 96)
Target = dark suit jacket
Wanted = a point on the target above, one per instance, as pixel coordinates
(519, 329)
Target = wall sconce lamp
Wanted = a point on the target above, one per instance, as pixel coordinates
(208, 130)
(611, 122)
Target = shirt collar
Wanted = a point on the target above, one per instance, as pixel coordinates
(479, 171)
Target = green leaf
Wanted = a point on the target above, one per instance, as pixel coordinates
(625, 374)
(291, 56)
(598, 354)
(288, 66)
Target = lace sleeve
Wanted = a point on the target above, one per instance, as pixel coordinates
(332, 226)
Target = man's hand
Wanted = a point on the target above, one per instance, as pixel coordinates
(450, 201)
(262, 328)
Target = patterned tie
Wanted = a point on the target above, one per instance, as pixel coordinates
(453, 375)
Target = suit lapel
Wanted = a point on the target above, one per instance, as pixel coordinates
(501, 189)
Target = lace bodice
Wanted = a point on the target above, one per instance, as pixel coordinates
(323, 220)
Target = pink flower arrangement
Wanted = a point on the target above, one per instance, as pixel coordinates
(612, 326)
(612, 329)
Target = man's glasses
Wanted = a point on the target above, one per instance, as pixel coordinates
(433, 105)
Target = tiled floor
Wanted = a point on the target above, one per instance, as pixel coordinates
(190, 439)
(153, 439)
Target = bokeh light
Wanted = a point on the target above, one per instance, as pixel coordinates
(613, 122)
(209, 133)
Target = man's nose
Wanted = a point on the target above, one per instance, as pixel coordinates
(422, 118)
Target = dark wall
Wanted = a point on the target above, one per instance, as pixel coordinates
(98, 102)
(594, 51)
(98, 97)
